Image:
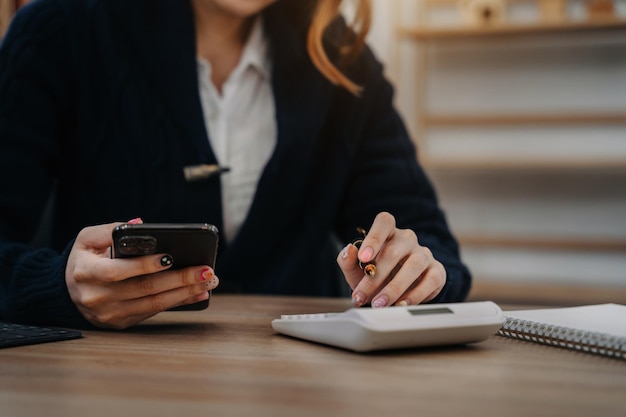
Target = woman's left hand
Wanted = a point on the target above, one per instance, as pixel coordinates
(406, 272)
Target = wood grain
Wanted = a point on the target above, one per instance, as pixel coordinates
(227, 361)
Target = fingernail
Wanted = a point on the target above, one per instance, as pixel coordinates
(206, 274)
(402, 303)
(358, 299)
(201, 297)
(135, 221)
(167, 260)
(367, 254)
(212, 284)
(381, 301)
(344, 251)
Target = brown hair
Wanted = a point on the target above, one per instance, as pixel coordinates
(325, 12)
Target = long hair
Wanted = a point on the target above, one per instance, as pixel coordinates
(326, 11)
(314, 21)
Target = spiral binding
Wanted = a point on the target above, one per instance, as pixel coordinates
(565, 337)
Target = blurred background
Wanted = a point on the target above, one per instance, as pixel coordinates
(518, 109)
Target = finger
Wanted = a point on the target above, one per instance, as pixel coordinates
(97, 238)
(105, 269)
(349, 265)
(410, 272)
(368, 287)
(153, 304)
(407, 275)
(124, 314)
(389, 262)
(194, 299)
(382, 230)
(94, 297)
(162, 282)
(430, 285)
(91, 250)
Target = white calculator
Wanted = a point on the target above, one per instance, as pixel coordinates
(367, 329)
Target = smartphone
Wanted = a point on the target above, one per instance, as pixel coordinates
(190, 244)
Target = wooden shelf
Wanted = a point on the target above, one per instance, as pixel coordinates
(510, 29)
(434, 48)
(523, 164)
(524, 119)
(545, 243)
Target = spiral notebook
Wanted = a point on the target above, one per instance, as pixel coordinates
(599, 329)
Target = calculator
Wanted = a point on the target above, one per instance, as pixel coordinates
(368, 329)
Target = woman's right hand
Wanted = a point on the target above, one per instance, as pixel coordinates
(119, 293)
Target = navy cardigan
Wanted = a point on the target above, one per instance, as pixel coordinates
(99, 105)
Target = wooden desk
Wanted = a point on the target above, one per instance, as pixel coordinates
(227, 361)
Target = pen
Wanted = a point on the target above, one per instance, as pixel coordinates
(202, 172)
(369, 267)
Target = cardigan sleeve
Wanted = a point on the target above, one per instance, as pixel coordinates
(33, 95)
(386, 176)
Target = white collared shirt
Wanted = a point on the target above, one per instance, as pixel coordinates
(241, 125)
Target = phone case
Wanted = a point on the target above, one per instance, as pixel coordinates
(190, 244)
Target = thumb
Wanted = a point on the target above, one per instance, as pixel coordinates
(349, 264)
(97, 238)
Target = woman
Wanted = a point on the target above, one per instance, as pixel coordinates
(106, 101)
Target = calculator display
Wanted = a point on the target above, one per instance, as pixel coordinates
(426, 311)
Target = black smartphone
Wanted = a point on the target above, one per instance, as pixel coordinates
(190, 244)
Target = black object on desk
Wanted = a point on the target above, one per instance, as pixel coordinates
(12, 334)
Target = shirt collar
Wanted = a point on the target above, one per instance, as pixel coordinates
(255, 52)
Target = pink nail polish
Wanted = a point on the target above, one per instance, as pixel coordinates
(135, 221)
(380, 302)
(367, 254)
(206, 274)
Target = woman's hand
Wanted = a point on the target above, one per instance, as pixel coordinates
(406, 272)
(118, 293)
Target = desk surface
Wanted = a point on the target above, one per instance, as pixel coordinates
(227, 361)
